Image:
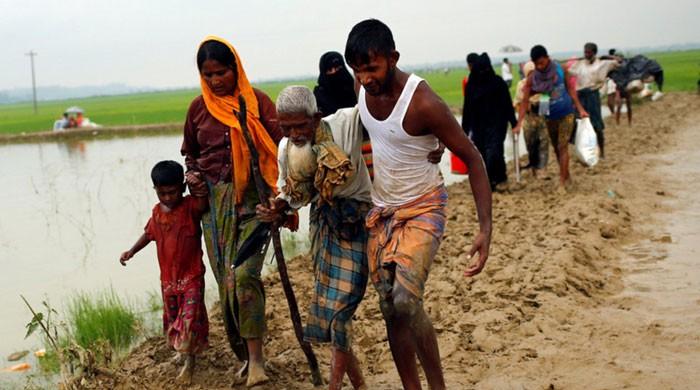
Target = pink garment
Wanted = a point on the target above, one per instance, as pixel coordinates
(571, 82)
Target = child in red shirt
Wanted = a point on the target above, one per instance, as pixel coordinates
(174, 226)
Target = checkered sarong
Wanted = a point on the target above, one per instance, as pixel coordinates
(339, 242)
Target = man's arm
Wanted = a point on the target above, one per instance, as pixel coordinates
(524, 103)
(436, 117)
(574, 95)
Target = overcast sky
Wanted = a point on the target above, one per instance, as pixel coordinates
(153, 42)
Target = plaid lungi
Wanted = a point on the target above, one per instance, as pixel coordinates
(338, 248)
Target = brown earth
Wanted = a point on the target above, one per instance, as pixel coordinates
(547, 312)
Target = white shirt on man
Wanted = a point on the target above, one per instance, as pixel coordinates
(402, 172)
(505, 72)
(592, 75)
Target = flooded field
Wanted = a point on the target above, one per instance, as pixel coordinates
(68, 211)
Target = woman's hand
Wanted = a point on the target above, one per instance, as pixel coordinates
(197, 186)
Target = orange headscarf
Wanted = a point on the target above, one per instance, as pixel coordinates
(222, 108)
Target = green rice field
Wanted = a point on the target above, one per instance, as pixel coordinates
(681, 70)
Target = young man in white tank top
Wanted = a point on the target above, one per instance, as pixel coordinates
(405, 120)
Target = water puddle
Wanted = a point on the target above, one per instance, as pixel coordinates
(664, 281)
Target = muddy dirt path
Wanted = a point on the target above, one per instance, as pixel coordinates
(574, 296)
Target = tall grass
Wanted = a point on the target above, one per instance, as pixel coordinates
(82, 342)
(91, 334)
(102, 318)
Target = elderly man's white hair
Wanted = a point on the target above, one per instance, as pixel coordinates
(296, 98)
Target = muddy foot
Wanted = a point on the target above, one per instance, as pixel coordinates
(256, 375)
(185, 375)
(561, 189)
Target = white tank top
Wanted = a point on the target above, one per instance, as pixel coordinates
(402, 172)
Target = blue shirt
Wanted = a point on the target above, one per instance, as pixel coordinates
(560, 103)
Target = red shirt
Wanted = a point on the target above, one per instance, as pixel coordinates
(178, 240)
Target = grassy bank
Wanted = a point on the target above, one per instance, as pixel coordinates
(104, 317)
(680, 68)
(95, 328)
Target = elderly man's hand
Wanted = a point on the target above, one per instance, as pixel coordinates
(274, 213)
(436, 155)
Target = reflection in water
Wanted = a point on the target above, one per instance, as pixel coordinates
(68, 210)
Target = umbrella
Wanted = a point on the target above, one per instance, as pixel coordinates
(510, 49)
(74, 110)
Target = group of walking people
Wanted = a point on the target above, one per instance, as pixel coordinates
(363, 152)
(548, 99)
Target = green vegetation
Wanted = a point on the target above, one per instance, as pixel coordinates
(94, 330)
(102, 318)
(681, 72)
(681, 69)
(142, 108)
(133, 109)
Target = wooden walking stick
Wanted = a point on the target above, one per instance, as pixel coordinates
(263, 193)
(516, 156)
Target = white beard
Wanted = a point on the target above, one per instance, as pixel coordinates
(301, 162)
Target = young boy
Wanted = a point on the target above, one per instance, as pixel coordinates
(174, 226)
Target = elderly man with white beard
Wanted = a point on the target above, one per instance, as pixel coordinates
(320, 162)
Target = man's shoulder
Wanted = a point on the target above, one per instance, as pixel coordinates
(425, 111)
(344, 125)
(425, 98)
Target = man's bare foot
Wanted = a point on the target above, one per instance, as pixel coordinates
(185, 375)
(569, 184)
(561, 189)
(256, 375)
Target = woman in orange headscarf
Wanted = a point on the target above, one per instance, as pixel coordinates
(215, 150)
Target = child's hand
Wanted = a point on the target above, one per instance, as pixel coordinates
(198, 187)
(125, 257)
